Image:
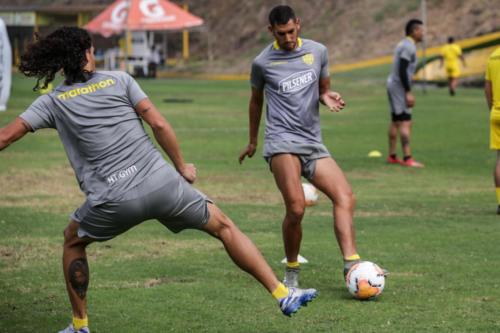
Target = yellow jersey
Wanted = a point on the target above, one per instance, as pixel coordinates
(493, 75)
(450, 53)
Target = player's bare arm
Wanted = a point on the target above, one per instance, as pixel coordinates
(165, 136)
(13, 132)
(488, 93)
(255, 113)
(330, 99)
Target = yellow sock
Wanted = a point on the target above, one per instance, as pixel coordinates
(280, 292)
(353, 257)
(498, 195)
(293, 264)
(79, 323)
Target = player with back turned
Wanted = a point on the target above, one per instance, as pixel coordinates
(98, 116)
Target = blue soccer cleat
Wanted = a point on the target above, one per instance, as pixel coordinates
(295, 299)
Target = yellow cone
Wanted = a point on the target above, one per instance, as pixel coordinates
(374, 153)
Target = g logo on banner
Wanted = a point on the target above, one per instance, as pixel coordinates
(151, 8)
(119, 14)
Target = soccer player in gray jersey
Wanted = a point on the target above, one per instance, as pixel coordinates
(293, 73)
(401, 99)
(124, 177)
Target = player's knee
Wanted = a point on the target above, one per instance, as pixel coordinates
(393, 133)
(71, 238)
(223, 225)
(346, 200)
(295, 211)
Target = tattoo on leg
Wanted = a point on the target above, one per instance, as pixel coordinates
(79, 276)
(405, 141)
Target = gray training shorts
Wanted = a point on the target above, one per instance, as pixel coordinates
(397, 101)
(308, 153)
(164, 196)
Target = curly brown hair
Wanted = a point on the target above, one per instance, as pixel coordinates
(64, 49)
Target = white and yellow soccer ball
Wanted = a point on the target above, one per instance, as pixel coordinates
(365, 280)
(311, 194)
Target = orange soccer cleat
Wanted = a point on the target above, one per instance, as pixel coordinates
(393, 160)
(412, 163)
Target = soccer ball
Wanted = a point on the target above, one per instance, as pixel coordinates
(310, 193)
(365, 280)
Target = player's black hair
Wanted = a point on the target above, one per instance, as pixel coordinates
(64, 49)
(411, 25)
(451, 39)
(281, 15)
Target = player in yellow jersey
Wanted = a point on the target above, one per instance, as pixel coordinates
(450, 53)
(492, 93)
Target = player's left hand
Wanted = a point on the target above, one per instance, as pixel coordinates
(333, 101)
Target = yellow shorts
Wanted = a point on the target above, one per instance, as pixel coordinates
(495, 130)
(453, 71)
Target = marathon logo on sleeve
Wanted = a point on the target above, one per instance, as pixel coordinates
(297, 81)
(87, 89)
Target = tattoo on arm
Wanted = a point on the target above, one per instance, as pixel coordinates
(79, 276)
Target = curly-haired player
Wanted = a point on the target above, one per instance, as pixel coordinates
(124, 177)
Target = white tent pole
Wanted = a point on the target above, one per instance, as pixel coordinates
(166, 46)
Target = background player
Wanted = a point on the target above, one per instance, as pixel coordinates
(401, 99)
(492, 93)
(450, 53)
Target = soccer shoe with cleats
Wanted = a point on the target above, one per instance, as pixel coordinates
(291, 277)
(412, 163)
(393, 160)
(295, 299)
(498, 210)
(71, 329)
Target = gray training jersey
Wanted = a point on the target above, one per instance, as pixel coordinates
(406, 49)
(102, 134)
(290, 80)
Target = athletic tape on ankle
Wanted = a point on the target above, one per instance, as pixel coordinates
(280, 292)
(79, 323)
(353, 257)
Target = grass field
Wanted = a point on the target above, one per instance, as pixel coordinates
(435, 229)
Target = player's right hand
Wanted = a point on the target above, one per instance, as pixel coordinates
(410, 99)
(248, 151)
(188, 172)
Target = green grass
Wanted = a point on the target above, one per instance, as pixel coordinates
(435, 229)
